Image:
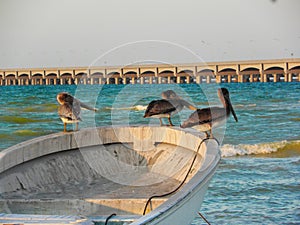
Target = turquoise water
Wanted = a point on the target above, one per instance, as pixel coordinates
(257, 181)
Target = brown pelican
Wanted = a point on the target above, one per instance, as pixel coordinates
(207, 118)
(70, 108)
(166, 107)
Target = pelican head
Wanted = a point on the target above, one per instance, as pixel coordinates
(223, 94)
(64, 97)
(169, 94)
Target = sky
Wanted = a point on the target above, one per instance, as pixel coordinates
(62, 33)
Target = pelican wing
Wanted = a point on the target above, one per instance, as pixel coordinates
(76, 108)
(158, 107)
(77, 103)
(187, 104)
(69, 111)
(204, 116)
(82, 105)
(200, 116)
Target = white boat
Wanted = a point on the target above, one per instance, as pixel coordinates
(107, 175)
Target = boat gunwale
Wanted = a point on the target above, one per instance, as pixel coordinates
(20, 156)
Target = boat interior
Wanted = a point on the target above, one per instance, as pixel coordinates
(114, 177)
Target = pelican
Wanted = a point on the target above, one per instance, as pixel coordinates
(70, 108)
(166, 107)
(207, 118)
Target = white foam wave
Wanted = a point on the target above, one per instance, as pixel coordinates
(135, 107)
(228, 150)
(140, 107)
(245, 106)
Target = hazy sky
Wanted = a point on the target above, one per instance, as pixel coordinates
(40, 33)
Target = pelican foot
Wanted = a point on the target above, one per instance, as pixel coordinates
(170, 122)
(209, 135)
(68, 131)
(160, 122)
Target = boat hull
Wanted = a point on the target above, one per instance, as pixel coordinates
(108, 170)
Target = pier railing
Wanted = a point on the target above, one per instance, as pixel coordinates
(281, 70)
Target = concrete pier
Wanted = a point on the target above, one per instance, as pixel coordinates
(281, 70)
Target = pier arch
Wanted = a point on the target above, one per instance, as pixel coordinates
(185, 76)
(113, 78)
(37, 79)
(250, 74)
(10, 79)
(273, 66)
(51, 78)
(22, 73)
(81, 77)
(130, 77)
(205, 75)
(148, 70)
(66, 75)
(10, 74)
(295, 69)
(166, 76)
(66, 78)
(23, 79)
(227, 75)
(293, 74)
(166, 72)
(250, 66)
(39, 72)
(150, 74)
(95, 78)
(274, 74)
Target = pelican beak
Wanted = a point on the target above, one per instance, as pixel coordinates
(192, 108)
(188, 105)
(233, 112)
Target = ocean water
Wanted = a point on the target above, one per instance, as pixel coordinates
(258, 180)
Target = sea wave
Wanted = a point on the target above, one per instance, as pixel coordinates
(135, 107)
(241, 106)
(47, 107)
(280, 149)
(16, 119)
(27, 133)
(21, 120)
